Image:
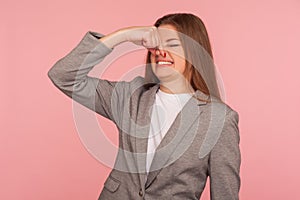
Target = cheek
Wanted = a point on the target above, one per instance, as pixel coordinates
(180, 64)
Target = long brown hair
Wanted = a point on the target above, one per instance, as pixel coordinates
(200, 69)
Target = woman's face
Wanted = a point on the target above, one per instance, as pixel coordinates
(172, 65)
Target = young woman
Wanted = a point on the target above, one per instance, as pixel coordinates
(174, 129)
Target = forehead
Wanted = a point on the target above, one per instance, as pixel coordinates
(167, 26)
(167, 31)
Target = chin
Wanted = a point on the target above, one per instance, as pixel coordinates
(167, 75)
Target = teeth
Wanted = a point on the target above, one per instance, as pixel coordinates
(164, 63)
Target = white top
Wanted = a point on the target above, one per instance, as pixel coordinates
(164, 111)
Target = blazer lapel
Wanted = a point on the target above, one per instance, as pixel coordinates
(178, 138)
(142, 129)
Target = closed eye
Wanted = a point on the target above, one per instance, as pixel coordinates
(173, 45)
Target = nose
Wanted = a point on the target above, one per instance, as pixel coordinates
(158, 51)
(161, 52)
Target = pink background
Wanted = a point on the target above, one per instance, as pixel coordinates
(256, 48)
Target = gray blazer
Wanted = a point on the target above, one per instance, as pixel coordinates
(202, 142)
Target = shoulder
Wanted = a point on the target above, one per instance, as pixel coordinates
(222, 121)
(224, 115)
(220, 108)
(225, 120)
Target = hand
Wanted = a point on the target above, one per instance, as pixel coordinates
(146, 36)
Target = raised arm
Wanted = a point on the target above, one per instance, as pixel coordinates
(70, 73)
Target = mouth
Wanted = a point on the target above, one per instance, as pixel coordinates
(166, 63)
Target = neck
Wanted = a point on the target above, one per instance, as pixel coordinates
(176, 87)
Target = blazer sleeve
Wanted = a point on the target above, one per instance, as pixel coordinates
(69, 74)
(225, 161)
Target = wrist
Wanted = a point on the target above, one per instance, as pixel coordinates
(114, 38)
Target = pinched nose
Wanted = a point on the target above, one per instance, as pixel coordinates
(157, 52)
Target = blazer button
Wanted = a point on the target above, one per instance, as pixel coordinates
(141, 192)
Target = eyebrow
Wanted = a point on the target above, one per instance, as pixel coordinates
(168, 40)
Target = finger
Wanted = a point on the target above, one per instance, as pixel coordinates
(146, 39)
(151, 43)
(156, 37)
(159, 44)
(152, 50)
